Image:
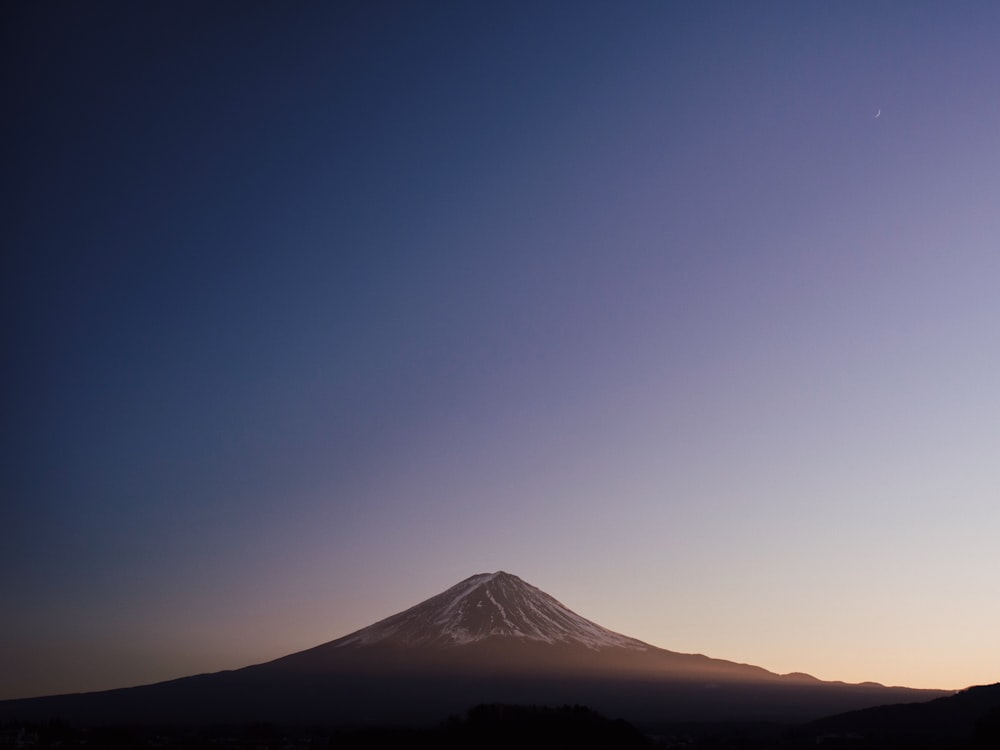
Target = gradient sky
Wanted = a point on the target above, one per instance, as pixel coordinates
(310, 311)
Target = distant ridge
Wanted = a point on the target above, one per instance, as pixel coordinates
(491, 638)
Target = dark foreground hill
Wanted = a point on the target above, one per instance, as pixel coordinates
(491, 639)
(968, 719)
(487, 727)
(502, 727)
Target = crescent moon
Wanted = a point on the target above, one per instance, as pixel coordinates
(878, 113)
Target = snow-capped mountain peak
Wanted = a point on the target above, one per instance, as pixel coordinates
(490, 605)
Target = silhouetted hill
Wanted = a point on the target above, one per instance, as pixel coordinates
(970, 718)
(503, 727)
(488, 727)
(491, 639)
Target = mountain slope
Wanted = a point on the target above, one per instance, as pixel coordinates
(491, 638)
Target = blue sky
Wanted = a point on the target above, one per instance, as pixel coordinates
(310, 312)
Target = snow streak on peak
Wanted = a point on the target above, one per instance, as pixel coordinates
(490, 605)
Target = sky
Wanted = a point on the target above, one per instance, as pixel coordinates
(685, 313)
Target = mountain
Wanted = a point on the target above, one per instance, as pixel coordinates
(491, 638)
(491, 621)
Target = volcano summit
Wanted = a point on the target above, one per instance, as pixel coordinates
(491, 638)
(490, 605)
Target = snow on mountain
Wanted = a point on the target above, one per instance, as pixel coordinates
(489, 605)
